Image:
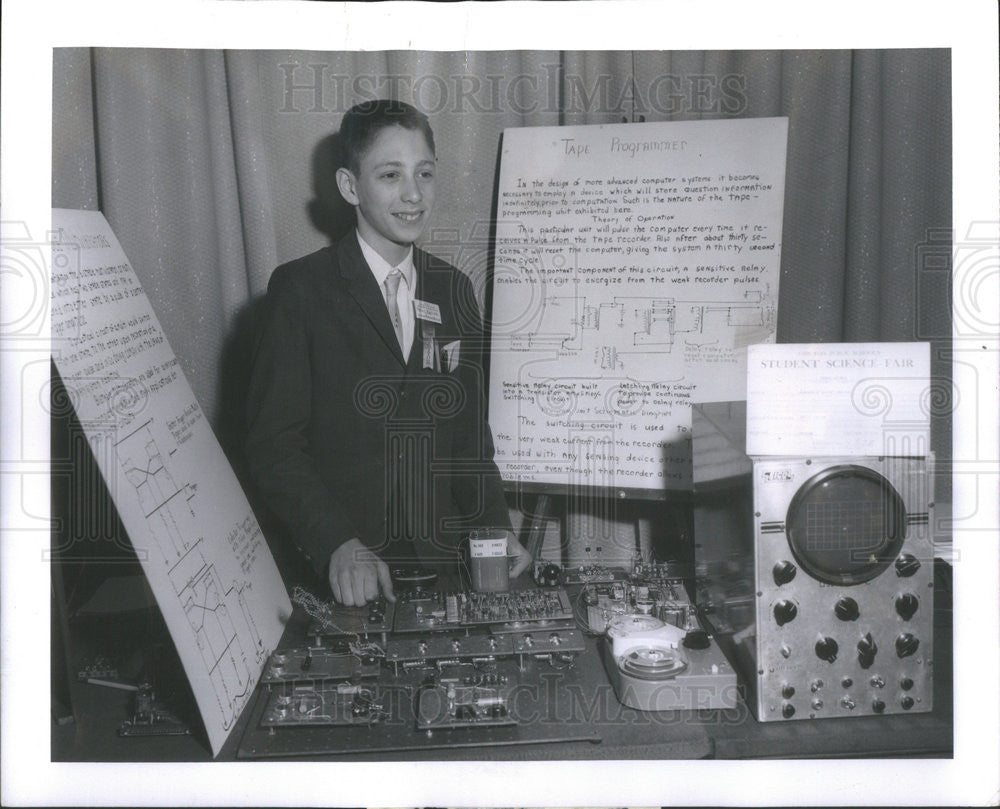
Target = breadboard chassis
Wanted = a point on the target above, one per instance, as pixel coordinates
(398, 733)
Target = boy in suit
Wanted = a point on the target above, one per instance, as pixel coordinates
(365, 412)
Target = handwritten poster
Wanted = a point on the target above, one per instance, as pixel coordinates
(199, 543)
(634, 264)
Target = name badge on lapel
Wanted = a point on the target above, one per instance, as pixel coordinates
(427, 311)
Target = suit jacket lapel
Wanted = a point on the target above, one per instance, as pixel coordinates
(364, 290)
(416, 359)
(429, 289)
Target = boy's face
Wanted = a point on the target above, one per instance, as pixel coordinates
(393, 191)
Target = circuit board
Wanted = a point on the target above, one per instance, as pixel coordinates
(457, 705)
(318, 663)
(437, 610)
(325, 718)
(591, 574)
(305, 704)
(333, 620)
(548, 641)
(433, 648)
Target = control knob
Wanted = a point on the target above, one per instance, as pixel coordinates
(906, 645)
(783, 572)
(846, 609)
(826, 649)
(867, 649)
(906, 605)
(906, 565)
(785, 611)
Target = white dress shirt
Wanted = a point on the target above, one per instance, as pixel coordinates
(404, 296)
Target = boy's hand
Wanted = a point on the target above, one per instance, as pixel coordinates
(521, 560)
(356, 574)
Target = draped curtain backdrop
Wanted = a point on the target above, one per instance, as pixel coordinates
(213, 167)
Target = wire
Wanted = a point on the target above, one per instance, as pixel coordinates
(318, 610)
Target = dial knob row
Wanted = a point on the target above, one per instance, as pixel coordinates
(846, 608)
(827, 648)
(847, 703)
(906, 565)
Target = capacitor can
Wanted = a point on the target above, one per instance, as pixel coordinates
(488, 561)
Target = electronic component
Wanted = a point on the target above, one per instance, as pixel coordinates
(558, 646)
(321, 663)
(510, 611)
(459, 705)
(591, 574)
(151, 717)
(663, 599)
(488, 561)
(603, 608)
(652, 573)
(547, 574)
(333, 620)
(422, 611)
(295, 705)
(517, 606)
(447, 647)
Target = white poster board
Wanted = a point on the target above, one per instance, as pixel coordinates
(633, 265)
(840, 399)
(199, 543)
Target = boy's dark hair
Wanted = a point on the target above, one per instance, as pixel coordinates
(363, 122)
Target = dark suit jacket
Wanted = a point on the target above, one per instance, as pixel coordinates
(344, 439)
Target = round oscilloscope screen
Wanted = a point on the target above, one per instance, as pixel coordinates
(846, 524)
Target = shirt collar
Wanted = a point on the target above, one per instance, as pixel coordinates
(381, 268)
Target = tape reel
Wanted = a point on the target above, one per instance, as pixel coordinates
(652, 663)
(629, 632)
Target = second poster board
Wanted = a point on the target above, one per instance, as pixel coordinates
(634, 264)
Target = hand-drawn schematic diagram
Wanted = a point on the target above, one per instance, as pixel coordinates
(220, 617)
(163, 501)
(230, 645)
(607, 333)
